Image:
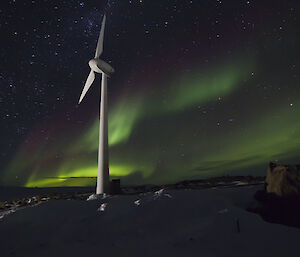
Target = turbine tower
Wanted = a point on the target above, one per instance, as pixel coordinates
(100, 66)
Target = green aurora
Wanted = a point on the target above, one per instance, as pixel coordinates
(152, 141)
(186, 91)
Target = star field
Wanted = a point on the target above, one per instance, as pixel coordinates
(202, 88)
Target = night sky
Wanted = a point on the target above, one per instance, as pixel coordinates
(201, 89)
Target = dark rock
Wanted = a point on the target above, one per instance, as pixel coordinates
(2, 205)
(115, 187)
(22, 202)
(283, 180)
(280, 201)
(276, 209)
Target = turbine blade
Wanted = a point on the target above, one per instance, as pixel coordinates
(87, 85)
(99, 48)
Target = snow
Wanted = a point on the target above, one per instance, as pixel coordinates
(93, 197)
(5, 213)
(11, 193)
(102, 207)
(137, 202)
(163, 223)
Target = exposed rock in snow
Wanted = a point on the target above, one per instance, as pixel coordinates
(92, 197)
(283, 180)
(97, 197)
(137, 202)
(4, 213)
(223, 211)
(102, 207)
(160, 193)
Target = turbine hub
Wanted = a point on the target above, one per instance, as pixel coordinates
(100, 66)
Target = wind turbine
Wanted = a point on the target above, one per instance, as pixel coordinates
(99, 66)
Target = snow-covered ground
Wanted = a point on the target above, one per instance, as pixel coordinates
(12, 193)
(166, 223)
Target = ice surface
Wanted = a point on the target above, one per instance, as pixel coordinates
(190, 223)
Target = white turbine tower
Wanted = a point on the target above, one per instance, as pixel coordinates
(106, 70)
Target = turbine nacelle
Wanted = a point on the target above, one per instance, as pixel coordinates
(101, 66)
(97, 65)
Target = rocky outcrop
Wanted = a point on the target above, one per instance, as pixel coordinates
(277, 209)
(2, 205)
(279, 202)
(283, 180)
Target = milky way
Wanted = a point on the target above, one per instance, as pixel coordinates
(201, 89)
